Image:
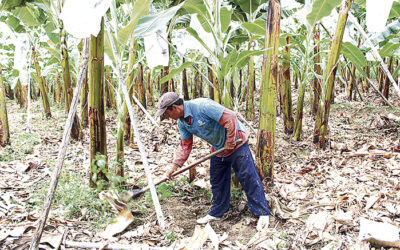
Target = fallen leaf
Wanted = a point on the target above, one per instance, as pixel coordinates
(379, 234)
(198, 238)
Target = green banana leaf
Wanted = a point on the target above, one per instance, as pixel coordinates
(54, 52)
(15, 24)
(140, 8)
(255, 28)
(176, 71)
(107, 47)
(388, 49)
(320, 9)
(362, 3)
(227, 62)
(395, 11)
(196, 6)
(355, 56)
(28, 15)
(49, 28)
(249, 6)
(226, 15)
(149, 24)
(195, 35)
(391, 29)
(244, 55)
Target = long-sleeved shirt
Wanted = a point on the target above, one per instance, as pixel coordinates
(232, 130)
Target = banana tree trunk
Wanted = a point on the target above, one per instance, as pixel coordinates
(268, 98)
(149, 89)
(43, 91)
(352, 82)
(9, 91)
(119, 168)
(33, 90)
(84, 102)
(217, 97)
(19, 95)
(141, 90)
(76, 131)
(57, 89)
(129, 83)
(286, 91)
(298, 125)
(97, 125)
(321, 122)
(381, 79)
(4, 129)
(387, 80)
(365, 82)
(196, 85)
(250, 86)
(164, 85)
(210, 78)
(318, 70)
(185, 83)
(201, 92)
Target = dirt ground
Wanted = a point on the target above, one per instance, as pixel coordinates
(317, 200)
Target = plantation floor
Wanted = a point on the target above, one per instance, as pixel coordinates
(317, 200)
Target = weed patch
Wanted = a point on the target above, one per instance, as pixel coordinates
(74, 199)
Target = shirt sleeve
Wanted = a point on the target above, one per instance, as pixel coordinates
(183, 152)
(229, 121)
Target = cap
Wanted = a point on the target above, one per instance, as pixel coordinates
(165, 101)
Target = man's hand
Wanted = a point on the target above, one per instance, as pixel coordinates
(172, 169)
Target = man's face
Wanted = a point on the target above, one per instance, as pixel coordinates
(172, 113)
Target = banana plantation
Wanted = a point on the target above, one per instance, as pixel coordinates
(85, 161)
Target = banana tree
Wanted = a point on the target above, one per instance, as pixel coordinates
(4, 129)
(267, 124)
(214, 18)
(321, 122)
(247, 12)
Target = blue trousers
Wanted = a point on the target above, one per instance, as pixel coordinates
(220, 178)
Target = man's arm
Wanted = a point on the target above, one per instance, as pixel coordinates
(229, 121)
(183, 152)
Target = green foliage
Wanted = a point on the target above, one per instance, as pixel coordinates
(395, 11)
(140, 8)
(388, 49)
(12, 4)
(74, 199)
(248, 6)
(176, 71)
(390, 30)
(170, 237)
(15, 24)
(236, 195)
(28, 15)
(99, 165)
(320, 9)
(22, 144)
(255, 28)
(355, 56)
(149, 24)
(164, 191)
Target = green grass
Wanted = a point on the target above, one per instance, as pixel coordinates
(22, 144)
(73, 199)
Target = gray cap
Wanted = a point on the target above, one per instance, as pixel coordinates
(165, 101)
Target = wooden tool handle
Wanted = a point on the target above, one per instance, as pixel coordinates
(193, 164)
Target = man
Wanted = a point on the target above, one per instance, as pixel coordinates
(219, 127)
